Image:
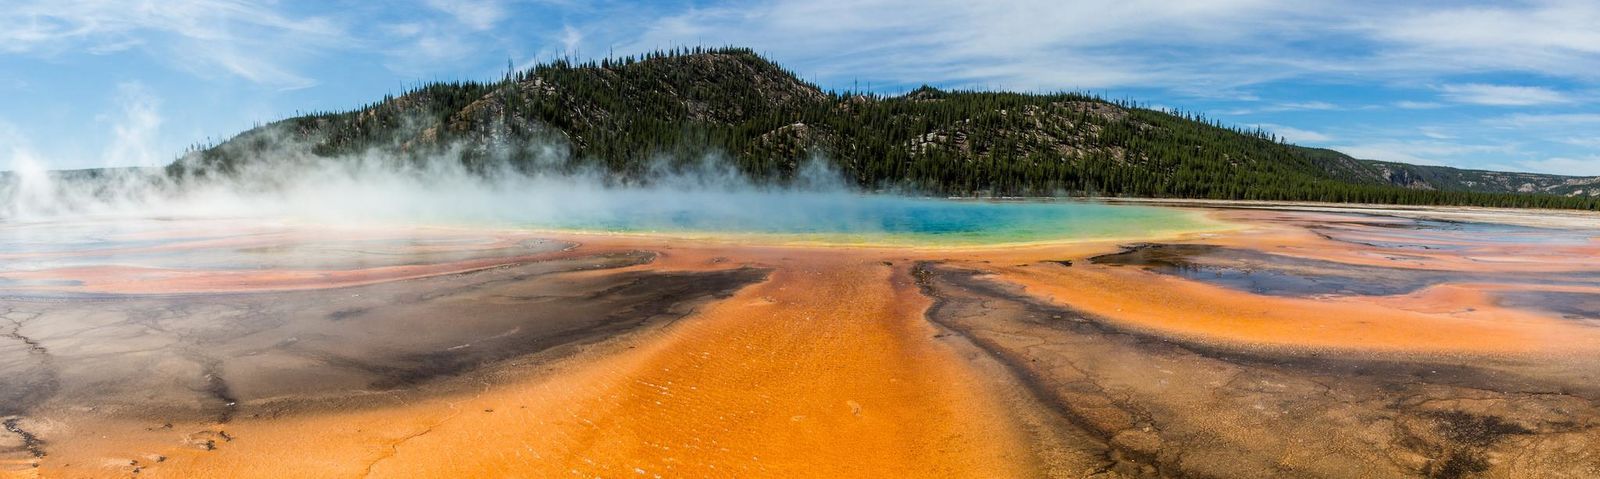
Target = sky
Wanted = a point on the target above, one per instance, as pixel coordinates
(1502, 85)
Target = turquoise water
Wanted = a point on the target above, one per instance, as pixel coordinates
(835, 218)
(870, 219)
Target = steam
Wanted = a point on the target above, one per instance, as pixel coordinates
(30, 190)
(134, 133)
(289, 182)
(500, 182)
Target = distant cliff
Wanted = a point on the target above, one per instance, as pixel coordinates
(626, 115)
(1456, 179)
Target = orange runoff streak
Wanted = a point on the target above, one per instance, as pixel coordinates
(825, 370)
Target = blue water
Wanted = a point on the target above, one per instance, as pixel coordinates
(889, 219)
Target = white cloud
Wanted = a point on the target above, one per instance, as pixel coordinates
(1422, 152)
(134, 128)
(1583, 141)
(1195, 48)
(1442, 54)
(449, 33)
(1545, 120)
(243, 39)
(1553, 37)
(1583, 166)
(1192, 48)
(571, 38)
(1502, 95)
(1296, 135)
(1020, 44)
(1386, 153)
(1436, 133)
(1418, 105)
(1285, 106)
(477, 15)
(1307, 105)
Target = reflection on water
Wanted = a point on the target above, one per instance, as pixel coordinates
(900, 220)
(1283, 275)
(53, 254)
(1429, 234)
(1570, 305)
(1269, 274)
(1548, 270)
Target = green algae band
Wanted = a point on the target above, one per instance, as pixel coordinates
(870, 219)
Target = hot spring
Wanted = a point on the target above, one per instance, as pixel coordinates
(707, 200)
(877, 219)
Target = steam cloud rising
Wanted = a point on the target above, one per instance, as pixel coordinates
(291, 183)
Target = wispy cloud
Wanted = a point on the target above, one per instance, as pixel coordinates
(1307, 105)
(1545, 120)
(1193, 47)
(571, 38)
(1023, 44)
(1592, 142)
(451, 33)
(1436, 133)
(134, 126)
(477, 15)
(1285, 106)
(1310, 70)
(247, 40)
(1502, 95)
(1423, 152)
(1551, 37)
(1418, 105)
(1580, 166)
(1296, 135)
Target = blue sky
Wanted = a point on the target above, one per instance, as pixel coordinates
(1496, 85)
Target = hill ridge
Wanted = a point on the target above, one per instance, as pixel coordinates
(625, 114)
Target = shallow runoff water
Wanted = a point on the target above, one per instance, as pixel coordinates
(891, 220)
(806, 218)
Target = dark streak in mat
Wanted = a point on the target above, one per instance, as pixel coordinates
(1569, 305)
(215, 357)
(1168, 408)
(1282, 275)
(30, 442)
(641, 297)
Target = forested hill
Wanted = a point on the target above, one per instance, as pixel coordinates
(628, 114)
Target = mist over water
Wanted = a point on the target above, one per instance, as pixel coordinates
(702, 196)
